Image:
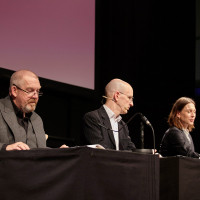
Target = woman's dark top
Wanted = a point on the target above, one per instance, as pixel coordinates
(177, 142)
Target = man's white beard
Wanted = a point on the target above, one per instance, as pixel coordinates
(29, 107)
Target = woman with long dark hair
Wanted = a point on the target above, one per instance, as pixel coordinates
(177, 139)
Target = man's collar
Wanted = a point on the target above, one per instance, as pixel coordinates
(111, 114)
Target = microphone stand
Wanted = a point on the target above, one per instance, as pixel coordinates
(142, 134)
(146, 121)
(154, 148)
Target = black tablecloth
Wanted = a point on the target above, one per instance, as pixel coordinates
(179, 178)
(78, 173)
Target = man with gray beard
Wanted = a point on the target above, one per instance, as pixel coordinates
(20, 127)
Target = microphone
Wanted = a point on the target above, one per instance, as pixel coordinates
(145, 120)
(105, 97)
(122, 108)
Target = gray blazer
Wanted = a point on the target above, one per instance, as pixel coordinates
(10, 129)
(99, 134)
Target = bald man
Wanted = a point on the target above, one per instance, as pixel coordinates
(105, 126)
(20, 127)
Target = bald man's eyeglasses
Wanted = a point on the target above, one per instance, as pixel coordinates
(129, 97)
(30, 93)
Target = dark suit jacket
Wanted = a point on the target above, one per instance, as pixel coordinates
(175, 142)
(97, 134)
(10, 129)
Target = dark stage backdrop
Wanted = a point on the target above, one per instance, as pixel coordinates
(151, 45)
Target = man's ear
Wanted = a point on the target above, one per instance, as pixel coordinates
(13, 91)
(116, 96)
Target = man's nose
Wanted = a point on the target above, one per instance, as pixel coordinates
(35, 95)
(131, 104)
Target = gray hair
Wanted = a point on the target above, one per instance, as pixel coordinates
(17, 77)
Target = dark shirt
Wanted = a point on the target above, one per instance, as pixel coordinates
(23, 121)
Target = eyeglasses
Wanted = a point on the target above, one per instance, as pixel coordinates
(129, 97)
(30, 93)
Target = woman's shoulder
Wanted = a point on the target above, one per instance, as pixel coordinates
(173, 130)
